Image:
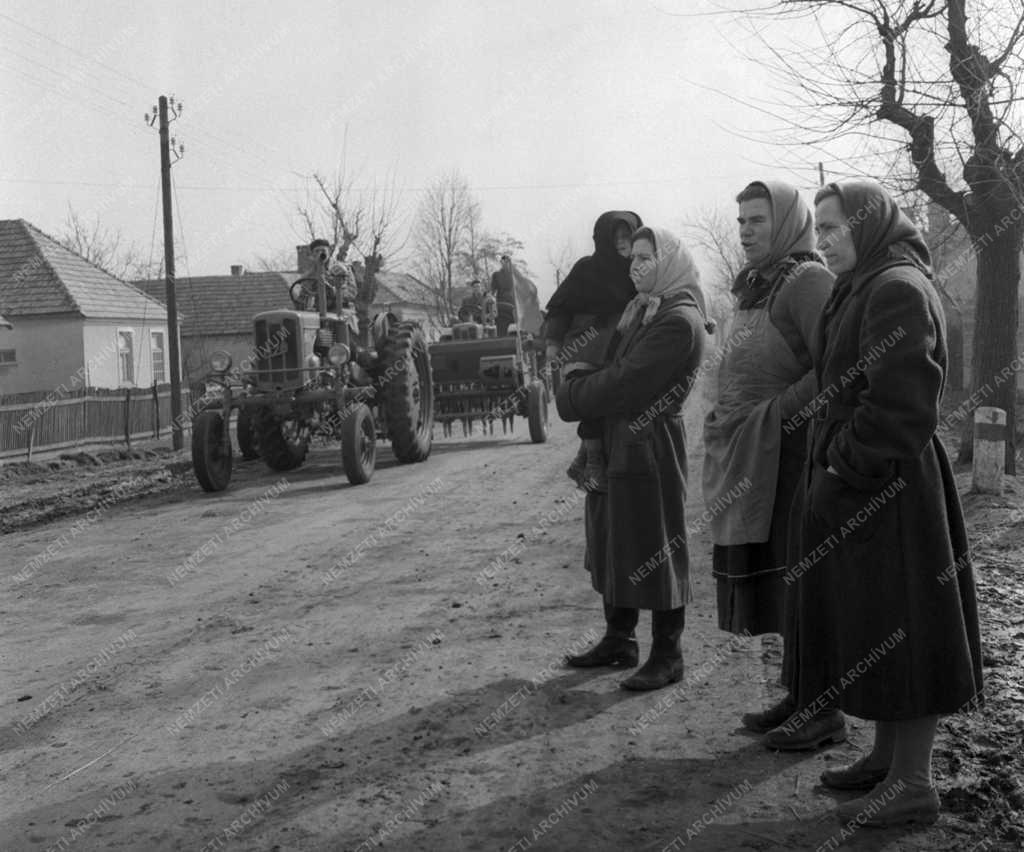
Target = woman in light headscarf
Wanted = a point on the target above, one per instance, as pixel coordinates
(636, 532)
(755, 438)
(887, 617)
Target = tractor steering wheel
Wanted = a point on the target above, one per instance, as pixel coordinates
(303, 294)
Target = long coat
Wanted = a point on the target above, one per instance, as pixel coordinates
(887, 617)
(636, 533)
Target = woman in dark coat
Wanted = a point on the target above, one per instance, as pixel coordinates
(887, 621)
(580, 321)
(636, 532)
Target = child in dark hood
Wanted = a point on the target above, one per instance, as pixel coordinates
(581, 319)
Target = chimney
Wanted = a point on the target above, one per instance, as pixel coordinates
(303, 259)
(237, 269)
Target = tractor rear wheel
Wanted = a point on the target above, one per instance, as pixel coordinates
(537, 411)
(408, 392)
(248, 437)
(359, 444)
(283, 443)
(211, 452)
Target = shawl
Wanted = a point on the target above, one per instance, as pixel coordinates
(883, 236)
(792, 241)
(599, 283)
(674, 273)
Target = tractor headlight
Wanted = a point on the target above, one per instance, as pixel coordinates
(220, 361)
(338, 354)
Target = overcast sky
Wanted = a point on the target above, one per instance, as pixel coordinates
(554, 110)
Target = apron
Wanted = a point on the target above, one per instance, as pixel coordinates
(743, 431)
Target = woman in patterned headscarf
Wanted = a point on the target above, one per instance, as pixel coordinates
(636, 532)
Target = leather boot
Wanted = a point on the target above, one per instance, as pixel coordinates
(665, 664)
(765, 720)
(807, 730)
(618, 647)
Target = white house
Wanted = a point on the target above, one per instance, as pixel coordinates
(74, 325)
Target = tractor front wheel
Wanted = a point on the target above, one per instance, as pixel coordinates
(283, 443)
(211, 451)
(359, 444)
(537, 411)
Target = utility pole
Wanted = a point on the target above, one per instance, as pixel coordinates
(168, 146)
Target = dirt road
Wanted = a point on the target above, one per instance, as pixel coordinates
(297, 664)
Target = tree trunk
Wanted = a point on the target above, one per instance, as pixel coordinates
(994, 359)
(365, 295)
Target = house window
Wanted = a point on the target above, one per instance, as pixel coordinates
(126, 356)
(8, 356)
(156, 348)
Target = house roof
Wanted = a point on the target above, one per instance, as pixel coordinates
(39, 276)
(224, 304)
(395, 287)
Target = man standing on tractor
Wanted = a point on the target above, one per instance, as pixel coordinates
(503, 285)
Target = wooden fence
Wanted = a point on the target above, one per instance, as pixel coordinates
(47, 420)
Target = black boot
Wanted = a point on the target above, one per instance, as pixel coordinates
(618, 647)
(665, 664)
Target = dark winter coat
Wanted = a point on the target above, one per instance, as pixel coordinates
(582, 313)
(886, 611)
(636, 533)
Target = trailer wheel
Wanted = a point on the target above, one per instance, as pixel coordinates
(408, 392)
(211, 453)
(248, 437)
(359, 445)
(537, 411)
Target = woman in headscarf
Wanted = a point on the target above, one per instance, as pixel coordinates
(887, 617)
(580, 320)
(636, 532)
(755, 442)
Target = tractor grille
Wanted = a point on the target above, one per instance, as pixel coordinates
(278, 349)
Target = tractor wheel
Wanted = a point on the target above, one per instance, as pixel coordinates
(211, 454)
(408, 392)
(248, 437)
(537, 411)
(359, 445)
(282, 442)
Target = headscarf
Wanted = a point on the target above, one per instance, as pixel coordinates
(792, 236)
(883, 235)
(674, 273)
(599, 283)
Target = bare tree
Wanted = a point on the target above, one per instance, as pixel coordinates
(932, 86)
(562, 259)
(363, 219)
(717, 236)
(445, 220)
(104, 247)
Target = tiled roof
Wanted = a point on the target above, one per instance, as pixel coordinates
(39, 276)
(394, 287)
(224, 304)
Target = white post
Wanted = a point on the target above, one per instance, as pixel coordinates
(989, 449)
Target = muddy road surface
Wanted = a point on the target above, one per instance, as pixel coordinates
(297, 664)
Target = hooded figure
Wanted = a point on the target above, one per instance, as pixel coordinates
(582, 313)
(755, 440)
(636, 532)
(887, 617)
